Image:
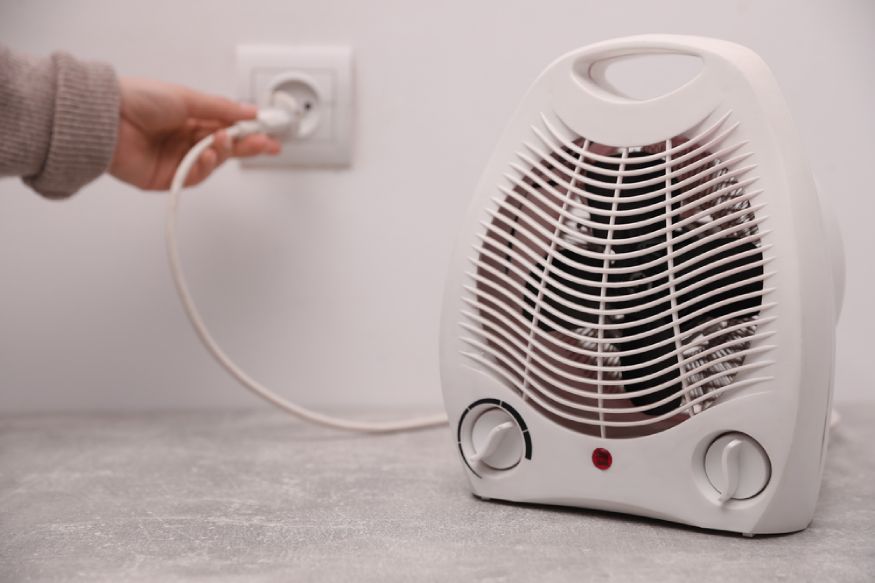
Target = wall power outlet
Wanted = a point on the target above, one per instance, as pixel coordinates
(322, 80)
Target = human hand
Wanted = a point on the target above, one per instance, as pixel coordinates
(160, 122)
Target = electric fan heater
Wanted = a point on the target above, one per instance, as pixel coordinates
(641, 308)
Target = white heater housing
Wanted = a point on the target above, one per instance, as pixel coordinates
(641, 308)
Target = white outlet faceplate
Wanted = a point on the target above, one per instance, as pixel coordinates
(327, 141)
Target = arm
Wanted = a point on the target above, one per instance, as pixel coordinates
(58, 121)
(64, 122)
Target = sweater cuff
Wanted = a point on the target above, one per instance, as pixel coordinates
(84, 127)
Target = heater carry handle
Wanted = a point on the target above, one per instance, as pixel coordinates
(597, 110)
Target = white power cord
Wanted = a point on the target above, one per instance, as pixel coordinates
(276, 121)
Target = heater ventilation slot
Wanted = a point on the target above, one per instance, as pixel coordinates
(621, 291)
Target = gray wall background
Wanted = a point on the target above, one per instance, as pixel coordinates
(326, 284)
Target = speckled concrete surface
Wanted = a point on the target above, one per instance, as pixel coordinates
(259, 497)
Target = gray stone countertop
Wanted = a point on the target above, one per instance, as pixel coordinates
(257, 496)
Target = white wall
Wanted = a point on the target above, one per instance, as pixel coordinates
(327, 284)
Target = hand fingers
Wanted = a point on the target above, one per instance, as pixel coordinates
(222, 146)
(213, 107)
(252, 145)
(249, 146)
(199, 129)
(256, 144)
(203, 167)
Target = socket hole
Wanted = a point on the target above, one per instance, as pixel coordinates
(308, 106)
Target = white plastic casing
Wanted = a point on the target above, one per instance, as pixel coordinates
(785, 410)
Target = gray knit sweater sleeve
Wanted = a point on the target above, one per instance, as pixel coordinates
(58, 121)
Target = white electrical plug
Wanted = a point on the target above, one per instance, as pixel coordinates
(281, 120)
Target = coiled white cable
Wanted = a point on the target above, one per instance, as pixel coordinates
(276, 122)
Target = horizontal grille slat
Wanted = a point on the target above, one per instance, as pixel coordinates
(724, 220)
(582, 353)
(709, 147)
(556, 180)
(611, 381)
(743, 313)
(589, 421)
(567, 147)
(653, 317)
(584, 297)
(565, 395)
(548, 205)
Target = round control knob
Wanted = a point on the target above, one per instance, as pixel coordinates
(496, 440)
(737, 466)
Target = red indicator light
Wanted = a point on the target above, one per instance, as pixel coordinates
(601, 458)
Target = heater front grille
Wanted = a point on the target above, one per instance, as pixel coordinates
(622, 290)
